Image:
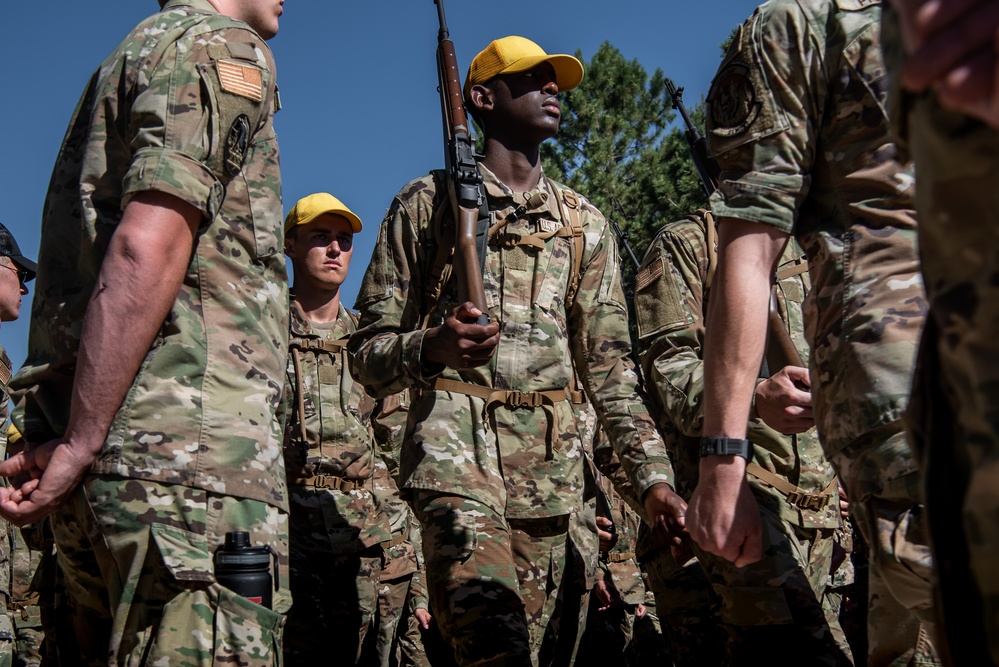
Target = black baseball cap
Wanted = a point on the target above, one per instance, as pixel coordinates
(8, 248)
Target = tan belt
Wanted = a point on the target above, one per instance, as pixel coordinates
(620, 557)
(517, 399)
(330, 482)
(796, 497)
(394, 542)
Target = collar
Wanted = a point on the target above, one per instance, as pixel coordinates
(501, 197)
(300, 326)
(201, 5)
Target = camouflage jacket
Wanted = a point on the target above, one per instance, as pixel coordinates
(523, 461)
(183, 106)
(671, 303)
(796, 119)
(403, 553)
(330, 434)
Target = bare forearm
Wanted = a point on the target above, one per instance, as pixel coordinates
(737, 326)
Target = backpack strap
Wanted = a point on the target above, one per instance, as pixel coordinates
(572, 213)
(711, 229)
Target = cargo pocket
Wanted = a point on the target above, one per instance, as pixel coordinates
(246, 633)
(6, 636)
(450, 540)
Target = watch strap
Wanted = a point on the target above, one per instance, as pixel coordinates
(726, 447)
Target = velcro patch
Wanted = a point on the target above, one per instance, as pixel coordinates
(734, 105)
(241, 79)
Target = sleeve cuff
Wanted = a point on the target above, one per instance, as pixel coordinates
(176, 174)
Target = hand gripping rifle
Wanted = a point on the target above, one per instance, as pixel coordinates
(781, 351)
(464, 180)
(707, 168)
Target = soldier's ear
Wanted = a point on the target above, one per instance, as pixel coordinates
(289, 242)
(481, 97)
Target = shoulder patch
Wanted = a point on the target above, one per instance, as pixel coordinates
(734, 101)
(236, 142)
(241, 79)
(741, 106)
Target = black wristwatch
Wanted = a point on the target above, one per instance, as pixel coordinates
(726, 447)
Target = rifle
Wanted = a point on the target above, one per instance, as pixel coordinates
(464, 180)
(781, 351)
(707, 168)
(623, 240)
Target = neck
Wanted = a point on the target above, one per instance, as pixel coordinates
(518, 167)
(318, 306)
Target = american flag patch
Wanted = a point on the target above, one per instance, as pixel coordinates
(241, 79)
(648, 274)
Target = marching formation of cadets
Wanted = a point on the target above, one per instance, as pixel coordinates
(431, 482)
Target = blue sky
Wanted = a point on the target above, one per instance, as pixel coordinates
(358, 82)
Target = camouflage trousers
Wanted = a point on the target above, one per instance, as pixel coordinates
(607, 636)
(648, 646)
(335, 605)
(136, 559)
(780, 599)
(392, 596)
(687, 608)
(498, 588)
(24, 601)
(883, 487)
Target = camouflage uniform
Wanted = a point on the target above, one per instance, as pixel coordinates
(496, 485)
(687, 605)
(8, 532)
(609, 633)
(797, 122)
(182, 106)
(337, 527)
(23, 577)
(951, 418)
(402, 559)
(780, 598)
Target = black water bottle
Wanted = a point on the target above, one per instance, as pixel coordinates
(243, 569)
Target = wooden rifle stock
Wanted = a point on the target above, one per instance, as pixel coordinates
(781, 351)
(464, 179)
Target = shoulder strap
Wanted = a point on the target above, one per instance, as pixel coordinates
(571, 210)
(711, 230)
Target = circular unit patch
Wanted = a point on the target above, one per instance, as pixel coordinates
(733, 101)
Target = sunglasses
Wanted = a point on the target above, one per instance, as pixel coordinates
(22, 274)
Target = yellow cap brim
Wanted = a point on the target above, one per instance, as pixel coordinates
(355, 222)
(568, 70)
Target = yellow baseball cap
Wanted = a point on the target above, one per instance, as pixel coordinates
(519, 54)
(311, 207)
